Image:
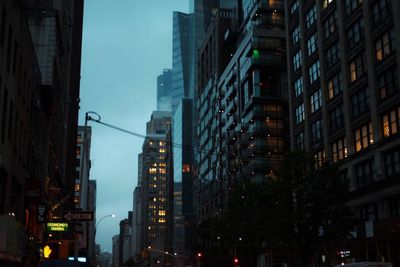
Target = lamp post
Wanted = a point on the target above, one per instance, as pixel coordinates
(101, 219)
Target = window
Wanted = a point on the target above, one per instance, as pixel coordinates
(300, 140)
(336, 118)
(368, 212)
(315, 101)
(355, 33)
(356, 67)
(311, 16)
(298, 87)
(388, 83)
(384, 45)
(380, 10)
(325, 3)
(297, 61)
(332, 55)
(330, 24)
(313, 72)
(351, 5)
(339, 150)
(394, 206)
(300, 113)
(364, 173)
(392, 163)
(153, 170)
(312, 44)
(333, 85)
(391, 122)
(359, 102)
(296, 35)
(319, 158)
(363, 137)
(186, 168)
(294, 8)
(316, 131)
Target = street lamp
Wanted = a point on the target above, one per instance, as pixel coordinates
(101, 219)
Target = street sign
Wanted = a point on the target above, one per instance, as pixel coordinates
(78, 216)
(57, 227)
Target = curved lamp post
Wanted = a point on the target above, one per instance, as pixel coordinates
(101, 219)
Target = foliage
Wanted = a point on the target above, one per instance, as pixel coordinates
(301, 209)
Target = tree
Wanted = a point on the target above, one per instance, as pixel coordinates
(299, 210)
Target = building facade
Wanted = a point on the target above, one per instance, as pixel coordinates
(343, 65)
(164, 88)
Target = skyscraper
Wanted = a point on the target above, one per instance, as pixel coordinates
(164, 88)
(344, 96)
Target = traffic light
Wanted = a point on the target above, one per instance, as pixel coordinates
(235, 261)
(199, 255)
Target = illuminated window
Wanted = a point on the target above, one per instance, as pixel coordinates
(162, 157)
(162, 150)
(186, 168)
(325, 3)
(77, 187)
(384, 45)
(162, 170)
(161, 220)
(161, 212)
(78, 150)
(153, 185)
(319, 158)
(334, 87)
(76, 200)
(152, 143)
(162, 164)
(339, 150)
(162, 143)
(363, 137)
(356, 67)
(153, 170)
(391, 122)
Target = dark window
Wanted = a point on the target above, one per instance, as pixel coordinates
(300, 113)
(356, 67)
(394, 206)
(380, 10)
(294, 8)
(297, 61)
(391, 122)
(15, 54)
(368, 212)
(355, 33)
(336, 118)
(334, 87)
(300, 140)
(332, 55)
(330, 25)
(315, 101)
(339, 150)
(388, 83)
(392, 163)
(296, 35)
(298, 86)
(313, 72)
(364, 173)
(311, 16)
(351, 5)
(384, 45)
(316, 131)
(312, 44)
(359, 102)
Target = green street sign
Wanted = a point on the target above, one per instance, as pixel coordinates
(57, 227)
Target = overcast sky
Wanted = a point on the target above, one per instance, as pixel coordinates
(126, 45)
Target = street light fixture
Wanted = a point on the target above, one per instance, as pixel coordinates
(101, 219)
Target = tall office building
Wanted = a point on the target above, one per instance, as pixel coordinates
(164, 88)
(183, 176)
(91, 225)
(153, 183)
(39, 112)
(182, 58)
(344, 93)
(242, 100)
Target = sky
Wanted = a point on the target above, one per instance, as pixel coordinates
(126, 45)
